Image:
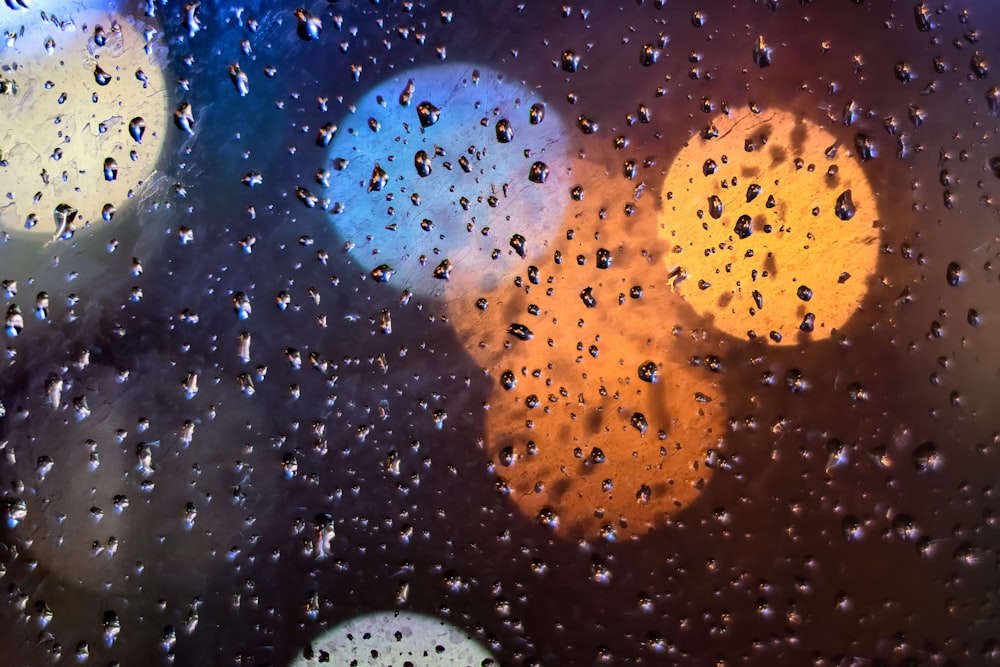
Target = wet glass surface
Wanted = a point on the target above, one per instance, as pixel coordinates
(538, 333)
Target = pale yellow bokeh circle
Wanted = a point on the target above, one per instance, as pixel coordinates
(803, 270)
(565, 440)
(60, 128)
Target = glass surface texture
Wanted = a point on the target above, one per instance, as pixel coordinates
(386, 332)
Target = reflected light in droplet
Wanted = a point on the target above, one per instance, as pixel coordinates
(792, 255)
(397, 638)
(55, 151)
(477, 194)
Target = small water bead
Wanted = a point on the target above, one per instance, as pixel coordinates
(864, 147)
(845, 208)
(504, 131)
(110, 169)
(638, 422)
(517, 242)
(927, 458)
(382, 273)
(649, 371)
(994, 165)
(743, 227)
(428, 114)
(587, 125)
(570, 61)
(715, 207)
(136, 128)
(422, 163)
(520, 331)
(536, 114)
(508, 380)
(979, 66)
(538, 172)
(648, 55)
(443, 270)
(954, 274)
(308, 27)
(100, 76)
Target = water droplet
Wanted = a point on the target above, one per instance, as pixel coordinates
(378, 179)
(926, 458)
(649, 371)
(639, 423)
(308, 199)
(422, 163)
(709, 167)
(903, 71)
(538, 172)
(715, 206)
(443, 270)
(325, 135)
(587, 125)
(570, 61)
(587, 296)
(517, 242)
(382, 273)
(520, 331)
(922, 15)
(649, 55)
(428, 114)
(864, 146)
(844, 208)
(184, 117)
(603, 258)
(240, 79)
(136, 128)
(752, 191)
(979, 66)
(761, 52)
(110, 169)
(505, 133)
(100, 76)
(309, 26)
(547, 517)
(954, 274)
(804, 293)
(743, 227)
(508, 380)
(536, 114)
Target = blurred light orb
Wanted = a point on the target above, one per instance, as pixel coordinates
(772, 226)
(598, 426)
(396, 638)
(84, 113)
(438, 169)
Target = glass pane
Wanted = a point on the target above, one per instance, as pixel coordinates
(386, 332)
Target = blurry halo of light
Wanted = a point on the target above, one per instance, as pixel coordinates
(397, 638)
(566, 426)
(473, 209)
(56, 152)
(794, 268)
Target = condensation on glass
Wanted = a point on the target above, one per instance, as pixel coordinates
(542, 333)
